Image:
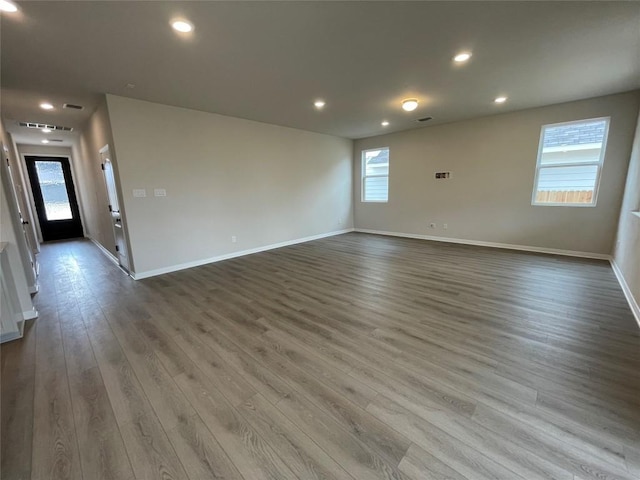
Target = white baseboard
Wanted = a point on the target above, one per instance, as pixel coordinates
(633, 304)
(107, 253)
(7, 337)
(30, 314)
(479, 243)
(204, 261)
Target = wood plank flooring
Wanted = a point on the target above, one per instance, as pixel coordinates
(352, 357)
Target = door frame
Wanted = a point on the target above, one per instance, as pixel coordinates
(28, 258)
(123, 222)
(73, 196)
(24, 201)
(31, 198)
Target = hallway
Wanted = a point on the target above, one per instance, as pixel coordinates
(351, 357)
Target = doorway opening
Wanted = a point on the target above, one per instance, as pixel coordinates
(54, 197)
(114, 208)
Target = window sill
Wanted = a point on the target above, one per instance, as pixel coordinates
(579, 205)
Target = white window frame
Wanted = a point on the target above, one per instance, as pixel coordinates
(364, 176)
(599, 164)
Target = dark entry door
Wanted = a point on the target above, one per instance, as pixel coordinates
(55, 197)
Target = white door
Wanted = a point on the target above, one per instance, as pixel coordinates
(22, 238)
(114, 208)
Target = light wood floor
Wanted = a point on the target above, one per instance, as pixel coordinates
(352, 357)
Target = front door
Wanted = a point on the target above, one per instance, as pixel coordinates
(55, 197)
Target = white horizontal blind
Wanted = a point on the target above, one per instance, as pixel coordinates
(570, 158)
(568, 178)
(375, 175)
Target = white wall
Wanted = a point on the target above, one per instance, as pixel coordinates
(224, 177)
(43, 150)
(627, 251)
(91, 186)
(493, 162)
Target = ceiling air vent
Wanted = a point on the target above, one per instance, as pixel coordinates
(57, 128)
(424, 119)
(72, 106)
(55, 140)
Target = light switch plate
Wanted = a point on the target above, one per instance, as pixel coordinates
(160, 192)
(139, 192)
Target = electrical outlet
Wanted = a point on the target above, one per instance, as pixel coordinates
(432, 225)
(234, 239)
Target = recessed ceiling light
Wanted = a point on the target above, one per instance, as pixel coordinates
(45, 141)
(319, 103)
(385, 123)
(500, 99)
(46, 106)
(182, 26)
(410, 104)
(46, 130)
(6, 6)
(462, 57)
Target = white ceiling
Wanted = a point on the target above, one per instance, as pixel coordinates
(268, 61)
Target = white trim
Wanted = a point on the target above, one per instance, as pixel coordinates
(227, 256)
(633, 304)
(33, 289)
(30, 314)
(599, 164)
(7, 337)
(572, 148)
(364, 176)
(107, 253)
(480, 243)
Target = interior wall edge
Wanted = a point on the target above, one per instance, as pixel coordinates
(482, 243)
(118, 181)
(228, 256)
(106, 252)
(631, 300)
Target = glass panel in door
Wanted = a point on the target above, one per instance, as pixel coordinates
(54, 190)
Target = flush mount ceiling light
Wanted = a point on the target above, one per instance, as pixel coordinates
(384, 123)
(319, 104)
(45, 141)
(500, 99)
(46, 106)
(410, 104)
(6, 6)
(182, 26)
(462, 57)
